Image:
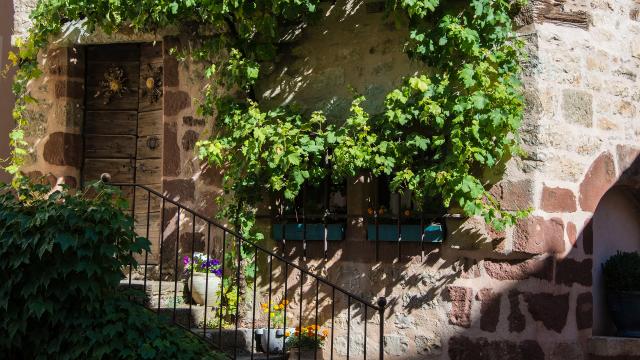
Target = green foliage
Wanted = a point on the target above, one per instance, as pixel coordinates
(437, 134)
(62, 260)
(622, 272)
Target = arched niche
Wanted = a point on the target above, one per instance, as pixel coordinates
(616, 227)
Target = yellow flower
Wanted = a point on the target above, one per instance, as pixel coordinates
(287, 333)
(325, 332)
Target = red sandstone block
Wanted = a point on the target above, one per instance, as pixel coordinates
(570, 271)
(520, 269)
(176, 101)
(514, 195)
(552, 310)
(558, 200)
(182, 190)
(461, 299)
(599, 178)
(63, 149)
(170, 151)
(489, 309)
(572, 234)
(535, 235)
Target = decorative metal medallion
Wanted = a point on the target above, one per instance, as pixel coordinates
(114, 84)
(153, 84)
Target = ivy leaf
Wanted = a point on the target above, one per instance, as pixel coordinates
(466, 74)
(65, 240)
(479, 101)
(173, 7)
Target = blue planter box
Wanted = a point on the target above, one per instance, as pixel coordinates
(410, 233)
(315, 232)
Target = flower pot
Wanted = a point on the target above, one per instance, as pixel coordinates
(204, 287)
(624, 307)
(305, 354)
(272, 340)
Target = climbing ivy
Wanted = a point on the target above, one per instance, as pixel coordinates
(438, 132)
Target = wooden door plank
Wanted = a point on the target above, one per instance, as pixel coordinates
(143, 199)
(153, 231)
(146, 201)
(110, 146)
(113, 53)
(96, 93)
(111, 123)
(151, 92)
(149, 147)
(121, 170)
(149, 171)
(150, 123)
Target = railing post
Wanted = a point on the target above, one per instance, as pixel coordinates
(382, 303)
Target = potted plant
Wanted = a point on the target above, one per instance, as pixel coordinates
(272, 340)
(307, 342)
(205, 275)
(621, 275)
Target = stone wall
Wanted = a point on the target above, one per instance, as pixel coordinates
(522, 294)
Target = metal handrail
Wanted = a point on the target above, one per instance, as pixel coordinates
(288, 265)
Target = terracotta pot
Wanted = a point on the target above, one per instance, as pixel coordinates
(305, 354)
(203, 284)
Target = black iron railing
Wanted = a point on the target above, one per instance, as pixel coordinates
(260, 298)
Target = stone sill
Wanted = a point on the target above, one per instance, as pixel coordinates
(605, 347)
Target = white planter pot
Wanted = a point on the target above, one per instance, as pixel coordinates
(272, 340)
(203, 284)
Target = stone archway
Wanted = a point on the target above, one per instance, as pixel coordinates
(611, 190)
(616, 227)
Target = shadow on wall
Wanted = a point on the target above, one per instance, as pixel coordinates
(6, 96)
(485, 303)
(358, 50)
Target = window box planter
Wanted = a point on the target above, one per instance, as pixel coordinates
(434, 233)
(315, 231)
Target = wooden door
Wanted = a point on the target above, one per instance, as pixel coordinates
(123, 124)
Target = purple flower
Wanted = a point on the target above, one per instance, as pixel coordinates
(186, 260)
(218, 272)
(215, 262)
